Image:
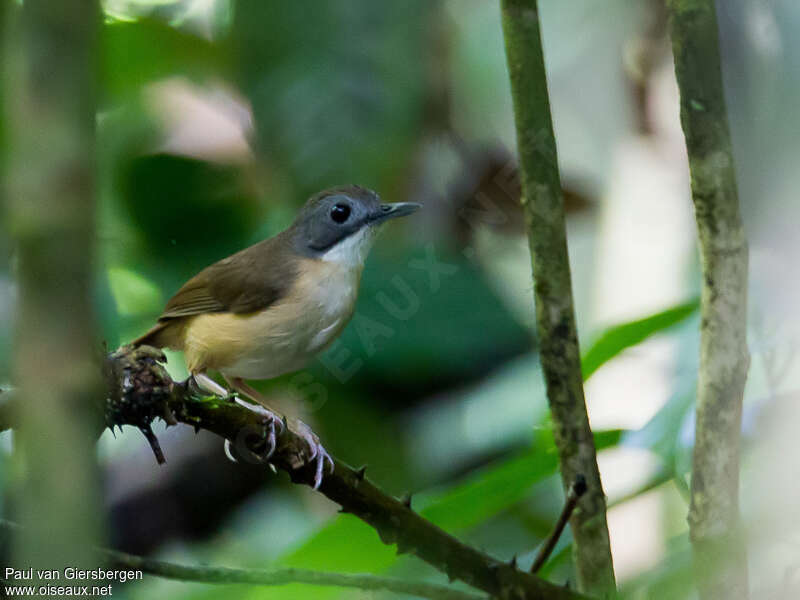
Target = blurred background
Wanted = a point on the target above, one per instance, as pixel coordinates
(218, 118)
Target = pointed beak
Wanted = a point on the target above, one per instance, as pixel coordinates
(394, 210)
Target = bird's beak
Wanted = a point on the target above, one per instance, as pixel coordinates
(391, 211)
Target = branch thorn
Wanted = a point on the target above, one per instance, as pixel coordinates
(147, 431)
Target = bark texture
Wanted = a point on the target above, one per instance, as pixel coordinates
(50, 110)
(543, 205)
(721, 559)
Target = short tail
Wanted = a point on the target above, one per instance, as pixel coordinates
(158, 336)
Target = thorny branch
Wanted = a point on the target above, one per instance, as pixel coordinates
(141, 390)
(576, 490)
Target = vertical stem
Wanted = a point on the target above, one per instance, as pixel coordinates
(50, 110)
(724, 360)
(543, 206)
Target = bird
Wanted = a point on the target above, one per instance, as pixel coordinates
(269, 309)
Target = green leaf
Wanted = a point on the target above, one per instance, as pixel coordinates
(619, 337)
(133, 294)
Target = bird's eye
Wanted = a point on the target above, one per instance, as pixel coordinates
(340, 212)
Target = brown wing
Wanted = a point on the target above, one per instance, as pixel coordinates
(248, 281)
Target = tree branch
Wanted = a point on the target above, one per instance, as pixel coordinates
(576, 490)
(555, 315)
(724, 359)
(141, 390)
(227, 575)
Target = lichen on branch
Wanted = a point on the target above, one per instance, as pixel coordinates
(724, 358)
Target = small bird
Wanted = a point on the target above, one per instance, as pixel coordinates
(270, 308)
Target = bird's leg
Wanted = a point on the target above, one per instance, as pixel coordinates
(317, 451)
(239, 384)
(273, 422)
(206, 384)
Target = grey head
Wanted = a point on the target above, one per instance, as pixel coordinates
(337, 214)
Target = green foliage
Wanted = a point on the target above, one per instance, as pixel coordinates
(661, 433)
(494, 489)
(335, 86)
(133, 293)
(351, 91)
(426, 310)
(616, 339)
(135, 53)
(190, 212)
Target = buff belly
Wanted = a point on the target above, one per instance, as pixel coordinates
(281, 339)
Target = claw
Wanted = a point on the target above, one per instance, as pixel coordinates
(322, 456)
(270, 429)
(272, 438)
(228, 452)
(316, 452)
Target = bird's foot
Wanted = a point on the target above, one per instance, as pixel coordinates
(272, 425)
(316, 451)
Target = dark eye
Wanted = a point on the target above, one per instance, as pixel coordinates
(340, 212)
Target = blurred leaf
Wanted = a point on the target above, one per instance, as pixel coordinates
(418, 328)
(619, 337)
(133, 293)
(190, 212)
(108, 314)
(135, 53)
(669, 432)
(662, 433)
(560, 560)
(336, 87)
(672, 579)
(494, 489)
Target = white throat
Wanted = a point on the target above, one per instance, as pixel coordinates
(351, 252)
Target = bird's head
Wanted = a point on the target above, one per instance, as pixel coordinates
(340, 224)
